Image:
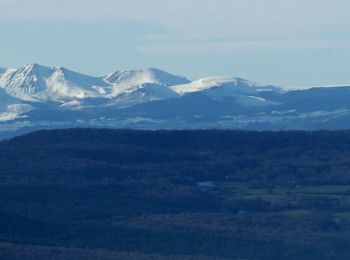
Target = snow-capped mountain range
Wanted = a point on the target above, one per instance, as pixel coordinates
(35, 96)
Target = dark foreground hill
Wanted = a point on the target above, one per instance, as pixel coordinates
(119, 194)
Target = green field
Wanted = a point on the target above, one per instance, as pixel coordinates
(334, 196)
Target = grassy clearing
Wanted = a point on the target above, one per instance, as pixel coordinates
(324, 189)
(297, 213)
(238, 188)
(343, 216)
(299, 195)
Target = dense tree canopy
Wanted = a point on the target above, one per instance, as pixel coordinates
(170, 194)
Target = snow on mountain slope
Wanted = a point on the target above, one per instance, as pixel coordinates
(6, 99)
(150, 75)
(244, 92)
(40, 83)
(25, 82)
(11, 108)
(140, 86)
(37, 83)
(128, 96)
(228, 84)
(126, 81)
(73, 84)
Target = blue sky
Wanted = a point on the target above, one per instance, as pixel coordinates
(284, 42)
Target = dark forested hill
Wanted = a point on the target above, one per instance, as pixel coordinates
(122, 194)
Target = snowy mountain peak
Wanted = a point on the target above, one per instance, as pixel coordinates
(34, 69)
(34, 82)
(78, 79)
(139, 77)
(228, 83)
(26, 82)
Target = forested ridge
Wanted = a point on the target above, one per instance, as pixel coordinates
(214, 194)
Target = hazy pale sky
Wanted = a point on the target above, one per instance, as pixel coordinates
(283, 42)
